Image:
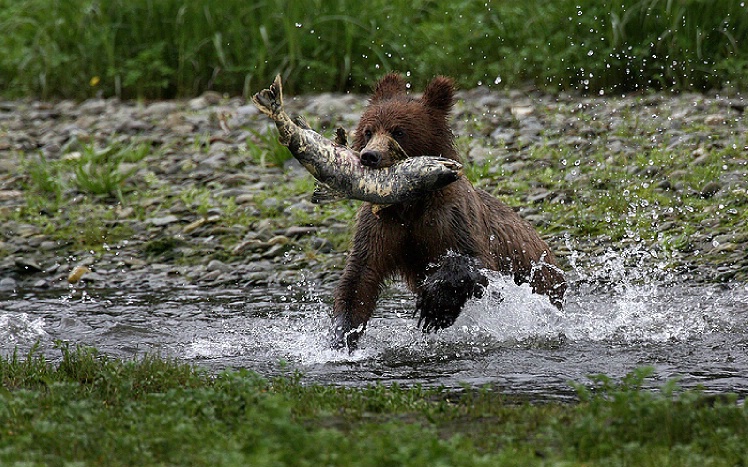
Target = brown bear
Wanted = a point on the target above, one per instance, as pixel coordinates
(439, 243)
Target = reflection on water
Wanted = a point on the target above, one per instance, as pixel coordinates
(615, 320)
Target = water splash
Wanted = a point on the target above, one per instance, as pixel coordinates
(18, 329)
(620, 297)
(617, 298)
(624, 309)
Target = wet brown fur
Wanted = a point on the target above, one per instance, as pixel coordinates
(404, 239)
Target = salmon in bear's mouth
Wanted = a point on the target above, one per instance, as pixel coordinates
(339, 169)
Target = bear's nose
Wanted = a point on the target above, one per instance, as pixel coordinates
(371, 158)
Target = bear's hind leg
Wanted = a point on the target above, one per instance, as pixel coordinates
(449, 283)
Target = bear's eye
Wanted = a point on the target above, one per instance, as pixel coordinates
(398, 133)
(367, 135)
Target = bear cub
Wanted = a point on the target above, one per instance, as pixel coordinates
(439, 243)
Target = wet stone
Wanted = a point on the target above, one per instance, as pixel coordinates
(160, 109)
(539, 197)
(506, 135)
(710, 189)
(245, 198)
(162, 221)
(321, 245)
(8, 195)
(8, 284)
(93, 106)
(41, 284)
(298, 231)
(726, 247)
(27, 266)
(273, 204)
(216, 265)
(249, 246)
(276, 250)
(133, 126)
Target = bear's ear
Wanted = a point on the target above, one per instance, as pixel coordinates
(391, 85)
(439, 94)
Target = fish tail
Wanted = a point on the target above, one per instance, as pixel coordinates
(270, 101)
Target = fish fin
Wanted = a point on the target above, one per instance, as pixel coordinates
(341, 137)
(301, 122)
(270, 101)
(323, 194)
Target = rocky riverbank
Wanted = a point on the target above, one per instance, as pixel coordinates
(212, 202)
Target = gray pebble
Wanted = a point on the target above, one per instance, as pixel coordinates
(8, 284)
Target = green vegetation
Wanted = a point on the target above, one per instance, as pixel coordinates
(84, 184)
(102, 173)
(268, 151)
(92, 409)
(655, 193)
(147, 49)
(90, 170)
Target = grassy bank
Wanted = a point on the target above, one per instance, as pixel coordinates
(147, 49)
(95, 410)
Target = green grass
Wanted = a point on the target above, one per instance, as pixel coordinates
(90, 170)
(100, 172)
(168, 48)
(92, 409)
(266, 150)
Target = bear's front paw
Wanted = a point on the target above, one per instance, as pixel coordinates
(343, 336)
(451, 282)
(437, 310)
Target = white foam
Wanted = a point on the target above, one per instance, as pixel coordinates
(18, 328)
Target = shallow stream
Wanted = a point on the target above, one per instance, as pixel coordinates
(627, 314)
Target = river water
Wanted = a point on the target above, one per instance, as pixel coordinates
(626, 314)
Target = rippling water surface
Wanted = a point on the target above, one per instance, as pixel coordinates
(615, 320)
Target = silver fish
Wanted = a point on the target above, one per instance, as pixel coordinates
(339, 167)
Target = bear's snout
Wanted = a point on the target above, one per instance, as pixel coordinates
(378, 152)
(371, 158)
